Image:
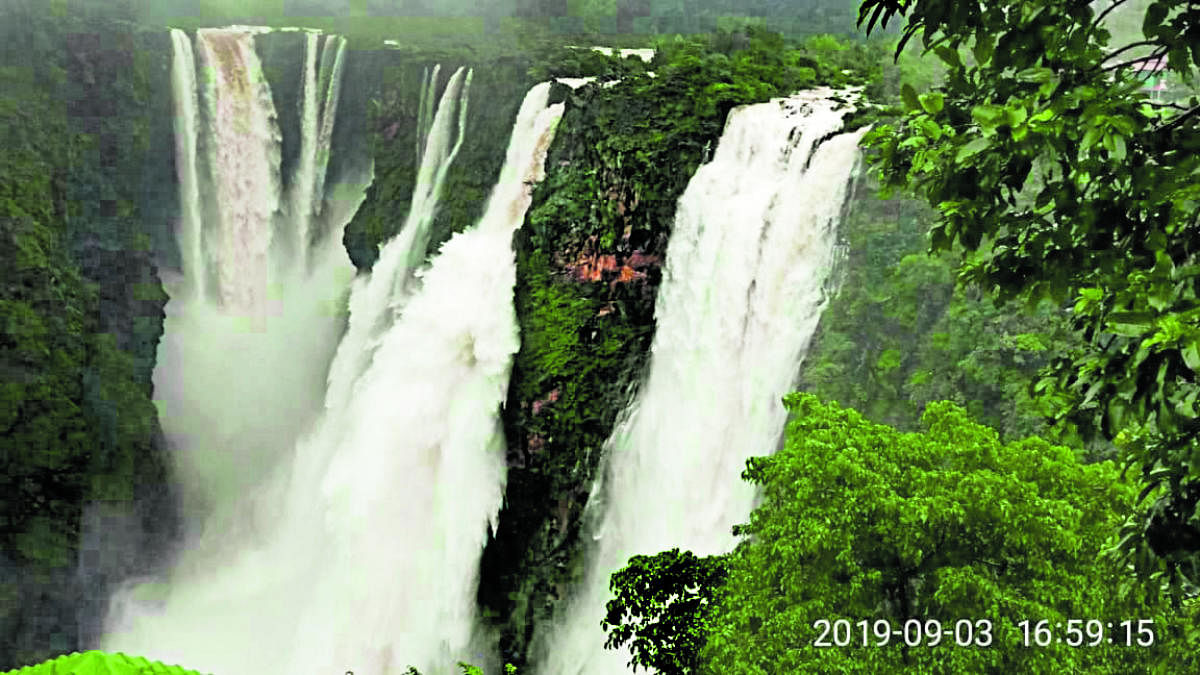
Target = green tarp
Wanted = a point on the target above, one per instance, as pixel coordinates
(101, 663)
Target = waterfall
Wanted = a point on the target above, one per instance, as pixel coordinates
(377, 297)
(357, 547)
(183, 91)
(741, 295)
(302, 189)
(318, 110)
(404, 480)
(333, 63)
(425, 106)
(249, 332)
(244, 167)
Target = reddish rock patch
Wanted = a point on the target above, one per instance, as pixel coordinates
(616, 268)
(534, 445)
(537, 405)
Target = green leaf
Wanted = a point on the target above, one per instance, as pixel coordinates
(1130, 324)
(1042, 115)
(1191, 356)
(911, 102)
(1035, 75)
(932, 102)
(984, 47)
(948, 56)
(1155, 13)
(971, 149)
(1118, 147)
(988, 115)
(931, 129)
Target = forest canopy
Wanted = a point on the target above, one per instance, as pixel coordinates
(1061, 178)
(860, 524)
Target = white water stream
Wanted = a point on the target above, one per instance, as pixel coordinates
(378, 297)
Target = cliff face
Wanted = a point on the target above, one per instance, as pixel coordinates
(386, 90)
(586, 282)
(88, 196)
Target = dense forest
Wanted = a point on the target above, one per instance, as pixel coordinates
(992, 442)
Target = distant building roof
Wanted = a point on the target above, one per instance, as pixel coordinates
(1149, 64)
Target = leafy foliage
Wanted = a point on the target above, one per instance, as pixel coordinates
(861, 522)
(1043, 155)
(898, 333)
(661, 606)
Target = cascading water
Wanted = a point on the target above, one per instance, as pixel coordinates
(741, 295)
(320, 88)
(360, 549)
(376, 298)
(183, 91)
(333, 63)
(425, 107)
(249, 331)
(244, 169)
(409, 474)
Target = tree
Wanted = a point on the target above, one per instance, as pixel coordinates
(861, 523)
(1059, 178)
(661, 606)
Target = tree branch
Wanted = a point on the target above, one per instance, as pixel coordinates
(1140, 43)
(1103, 14)
(1158, 104)
(1179, 119)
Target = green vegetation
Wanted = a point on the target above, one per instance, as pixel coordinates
(899, 334)
(863, 523)
(1047, 162)
(81, 313)
(663, 607)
